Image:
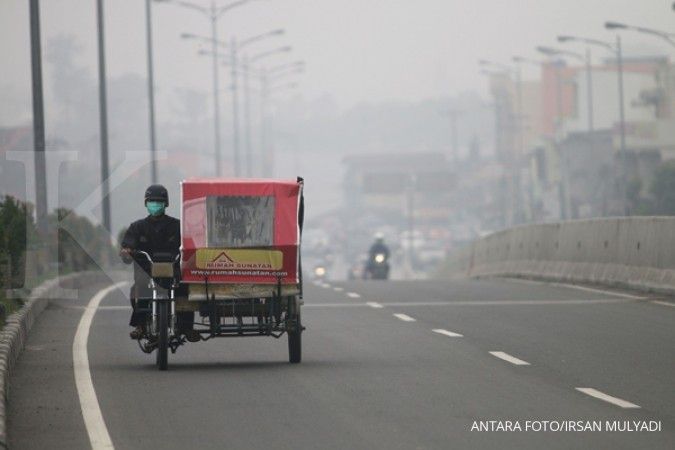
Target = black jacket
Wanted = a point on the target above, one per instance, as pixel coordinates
(152, 235)
(376, 248)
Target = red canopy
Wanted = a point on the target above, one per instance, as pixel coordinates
(240, 231)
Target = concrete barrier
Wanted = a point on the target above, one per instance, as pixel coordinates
(631, 252)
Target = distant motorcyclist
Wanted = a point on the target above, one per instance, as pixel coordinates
(156, 233)
(377, 266)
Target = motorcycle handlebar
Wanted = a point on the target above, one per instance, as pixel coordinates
(148, 257)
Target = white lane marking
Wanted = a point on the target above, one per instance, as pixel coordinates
(460, 303)
(404, 317)
(325, 286)
(447, 333)
(608, 398)
(353, 295)
(510, 302)
(333, 305)
(91, 410)
(509, 358)
(574, 286)
(338, 289)
(664, 303)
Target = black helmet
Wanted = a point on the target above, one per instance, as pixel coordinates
(157, 192)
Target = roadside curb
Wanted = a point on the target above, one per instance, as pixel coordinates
(15, 333)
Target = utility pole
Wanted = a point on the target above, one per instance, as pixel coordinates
(235, 106)
(216, 103)
(103, 117)
(564, 185)
(266, 168)
(622, 124)
(247, 119)
(38, 120)
(151, 92)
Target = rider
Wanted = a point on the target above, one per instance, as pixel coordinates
(378, 247)
(156, 233)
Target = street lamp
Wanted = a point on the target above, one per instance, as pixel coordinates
(213, 13)
(151, 91)
(38, 119)
(668, 37)
(616, 51)
(247, 99)
(103, 117)
(264, 94)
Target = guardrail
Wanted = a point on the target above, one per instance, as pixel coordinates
(633, 252)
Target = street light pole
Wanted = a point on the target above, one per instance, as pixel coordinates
(235, 105)
(151, 92)
(622, 120)
(236, 48)
(247, 118)
(617, 52)
(267, 163)
(38, 119)
(216, 103)
(103, 117)
(213, 14)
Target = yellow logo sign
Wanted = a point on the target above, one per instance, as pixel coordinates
(239, 259)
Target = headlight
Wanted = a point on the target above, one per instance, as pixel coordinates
(379, 258)
(320, 271)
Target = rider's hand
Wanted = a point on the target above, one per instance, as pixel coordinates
(125, 254)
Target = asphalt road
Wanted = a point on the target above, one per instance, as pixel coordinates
(374, 373)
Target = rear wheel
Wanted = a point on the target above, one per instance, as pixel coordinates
(163, 336)
(295, 333)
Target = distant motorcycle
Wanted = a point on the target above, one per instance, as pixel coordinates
(377, 267)
(320, 272)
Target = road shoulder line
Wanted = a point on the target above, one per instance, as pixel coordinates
(91, 410)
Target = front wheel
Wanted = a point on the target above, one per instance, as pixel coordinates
(163, 336)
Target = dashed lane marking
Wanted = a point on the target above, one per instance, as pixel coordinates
(338, 289)
(509, 358)
(374, 305)
(511, 302)
(447, 333)
(608, 398)
(404, 317)
(353, 295)
(99, 438)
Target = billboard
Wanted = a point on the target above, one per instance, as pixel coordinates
(240, 231)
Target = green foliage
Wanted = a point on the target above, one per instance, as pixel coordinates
(16, 224)
(81, 244)
(663, 189)
(73, 241)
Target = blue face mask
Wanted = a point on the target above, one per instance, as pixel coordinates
(155, 208)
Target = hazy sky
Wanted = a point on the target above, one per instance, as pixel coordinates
(356, 50)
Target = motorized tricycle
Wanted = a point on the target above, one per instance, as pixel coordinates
(239, 267)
